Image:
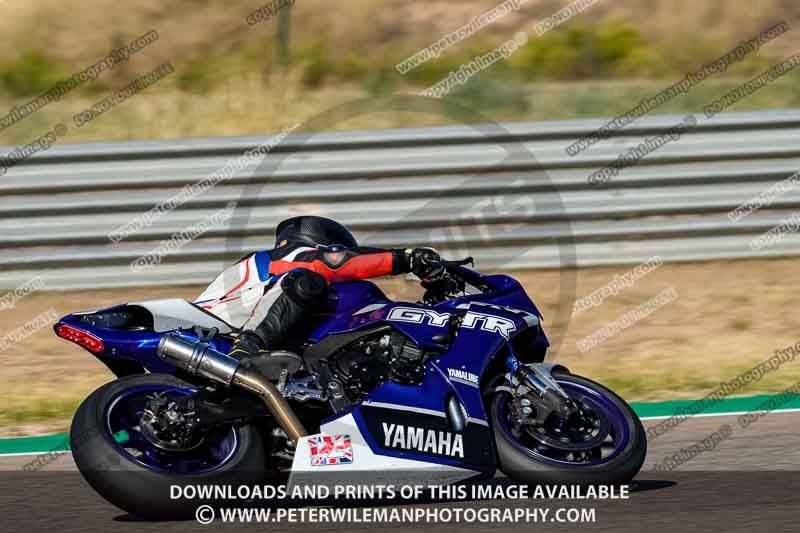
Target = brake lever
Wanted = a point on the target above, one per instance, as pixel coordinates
(460, 262)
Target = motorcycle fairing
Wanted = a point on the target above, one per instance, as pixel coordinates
(421, 408)
(131, 332)
(175, 313)
(366, 465)
(362, 302)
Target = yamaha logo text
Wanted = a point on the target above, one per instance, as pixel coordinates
(462, 376)
(423, 440)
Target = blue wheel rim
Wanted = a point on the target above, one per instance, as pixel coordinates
(122, 418)
(619, 432)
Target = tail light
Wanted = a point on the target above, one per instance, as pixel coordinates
(87, 340)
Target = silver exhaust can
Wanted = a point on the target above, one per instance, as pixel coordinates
(198, 358)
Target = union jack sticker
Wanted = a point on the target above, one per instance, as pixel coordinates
(330, 450)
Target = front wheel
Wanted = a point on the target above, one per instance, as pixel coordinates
(115, 456)
(603, 442)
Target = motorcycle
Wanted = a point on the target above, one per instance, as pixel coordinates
(451, 388)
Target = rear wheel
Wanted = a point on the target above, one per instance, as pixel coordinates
(602, 443)
(124, 464)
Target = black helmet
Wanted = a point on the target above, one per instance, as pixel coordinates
(313, 231)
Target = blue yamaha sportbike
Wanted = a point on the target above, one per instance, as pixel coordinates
(450, 388)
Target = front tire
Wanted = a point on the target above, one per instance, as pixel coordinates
(532, 463)
(136, 485)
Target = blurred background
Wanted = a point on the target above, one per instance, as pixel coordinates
(234, 79)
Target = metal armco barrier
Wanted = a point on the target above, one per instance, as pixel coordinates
(451, 187)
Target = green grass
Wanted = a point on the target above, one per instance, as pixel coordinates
(31, 73)
(38, 410)
(238, 88)
(166, 111)
(649, 386)
(641, 387)
(241, 107)
(608, 50)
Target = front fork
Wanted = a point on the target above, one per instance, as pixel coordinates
(534, 383)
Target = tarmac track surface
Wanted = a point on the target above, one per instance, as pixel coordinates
(748, 482)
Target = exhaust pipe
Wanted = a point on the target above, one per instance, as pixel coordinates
(199, 359)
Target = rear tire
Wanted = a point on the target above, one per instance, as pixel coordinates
(139, 490)
(526, 468)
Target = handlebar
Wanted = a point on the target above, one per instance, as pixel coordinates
(448, 282)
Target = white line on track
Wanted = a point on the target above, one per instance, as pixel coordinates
(704, 415)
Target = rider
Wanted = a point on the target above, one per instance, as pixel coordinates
(270, 293)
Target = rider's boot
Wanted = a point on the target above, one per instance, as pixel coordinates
(248, 348)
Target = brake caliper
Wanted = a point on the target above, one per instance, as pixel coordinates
(168, 426)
